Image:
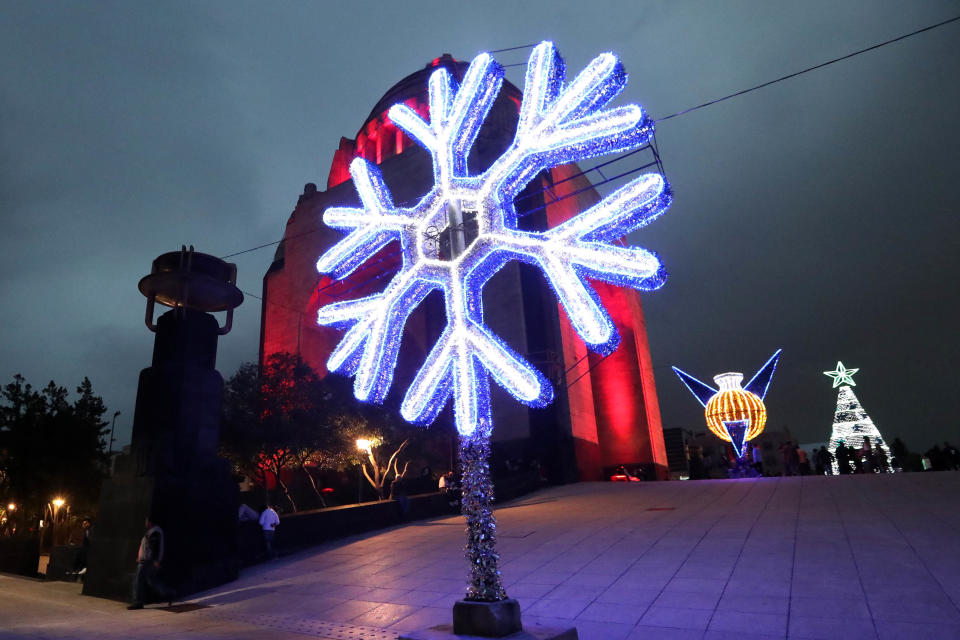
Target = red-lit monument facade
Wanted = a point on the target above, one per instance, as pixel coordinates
(605, 412)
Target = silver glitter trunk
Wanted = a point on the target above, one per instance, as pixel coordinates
(477, 496)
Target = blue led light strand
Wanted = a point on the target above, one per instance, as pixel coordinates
(558, 123)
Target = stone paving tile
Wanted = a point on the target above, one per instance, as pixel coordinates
(604, 612)
(833, 607)
(588, 630)
(918, 631)
(676, 617)
(384, 615)
(817, 628)
(347, 611)
(772, 624)
(754, 603)
(635, 596)
(592, 580)
(418, 598)
(647, 632)
(697, 585)
(556, 608)
(424, 618)
(575, 592)
(738, 635)
(688, 600)
(528, 590)
(916, 611)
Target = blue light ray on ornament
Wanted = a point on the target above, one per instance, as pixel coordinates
(558, 124)
(700, 390)
(737, 430)
(760, 382)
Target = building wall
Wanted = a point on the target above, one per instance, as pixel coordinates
(614, 411)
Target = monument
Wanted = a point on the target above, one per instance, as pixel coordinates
(172, 473)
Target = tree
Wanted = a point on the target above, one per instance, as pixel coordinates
(275, 420)
(381, 472)
(851, 424)
(285, 417)
(50, 446)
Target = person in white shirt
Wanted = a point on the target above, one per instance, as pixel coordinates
(149, 559)
(268, 522)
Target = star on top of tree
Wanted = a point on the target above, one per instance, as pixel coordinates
(842, 375)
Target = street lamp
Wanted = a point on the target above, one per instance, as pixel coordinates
(11, 507)
(363, 444)
(57, 503)
(112, 425)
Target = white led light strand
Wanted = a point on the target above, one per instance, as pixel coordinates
(851, 424)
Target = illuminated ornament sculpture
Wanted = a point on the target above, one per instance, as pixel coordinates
(851, 424)
(734, 414)
(558, 123)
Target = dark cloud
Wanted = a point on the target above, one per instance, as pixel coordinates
(817, 215)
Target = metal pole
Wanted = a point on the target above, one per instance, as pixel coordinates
(458, 240)
(359, 482)
(476, 494)
(112, 426)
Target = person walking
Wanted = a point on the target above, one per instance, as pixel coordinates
(757, 459)
(951, 456)
(866, 455)
(791, 463)
(269, 520)
(398, 492)
(803, 462)
(825, 460)
(843, 459)
(149, 560)
(817, 461)
(899, 451)
(880, 459)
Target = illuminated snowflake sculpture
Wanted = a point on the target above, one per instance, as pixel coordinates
(558, 124)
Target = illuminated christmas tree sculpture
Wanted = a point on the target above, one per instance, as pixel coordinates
(851, 424)
(558, 123)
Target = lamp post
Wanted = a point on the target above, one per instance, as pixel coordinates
(363, 444)
(57, 503)
(112, 426)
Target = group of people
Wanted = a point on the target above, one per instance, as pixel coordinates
(795, 460)
(869, 458)
(945, 459)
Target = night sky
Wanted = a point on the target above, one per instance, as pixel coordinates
(818, 214)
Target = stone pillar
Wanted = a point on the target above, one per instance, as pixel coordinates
(172, 473)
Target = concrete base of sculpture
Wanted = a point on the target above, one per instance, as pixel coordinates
(487, 619)
(479, 620)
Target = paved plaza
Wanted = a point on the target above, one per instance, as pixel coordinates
(837, 557)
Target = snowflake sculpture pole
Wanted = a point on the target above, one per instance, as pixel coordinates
(558, 124)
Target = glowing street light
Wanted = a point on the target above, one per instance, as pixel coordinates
(11, 507)
(58, 502)
(363, 444)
